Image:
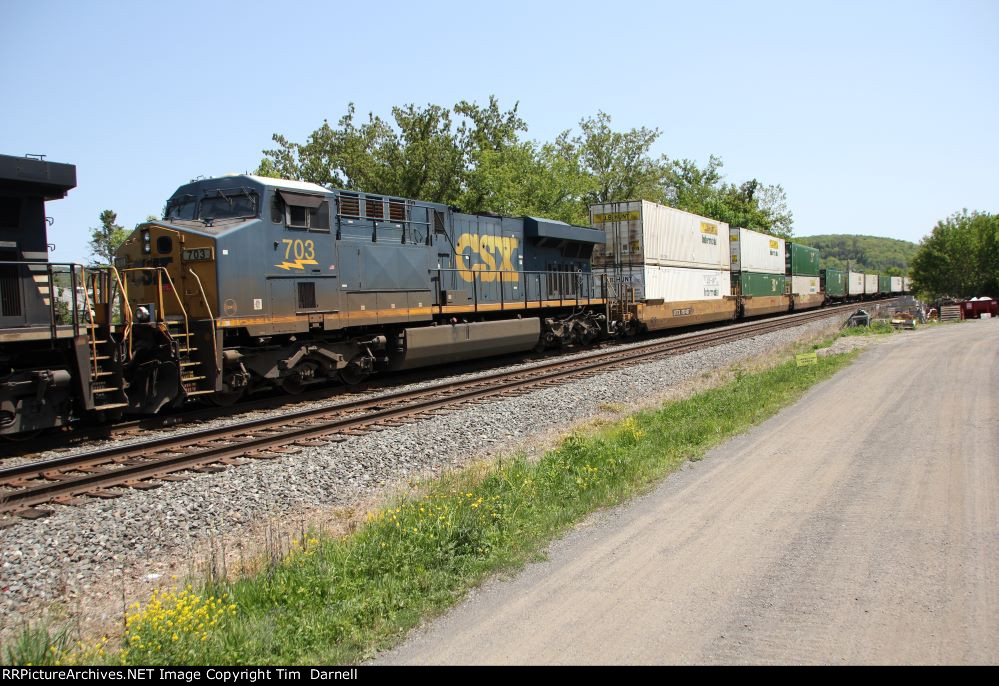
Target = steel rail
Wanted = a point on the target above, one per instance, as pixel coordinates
(133, 464)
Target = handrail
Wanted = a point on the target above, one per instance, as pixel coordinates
(126, 311)
(583, 284)
(91, 324)
(160, 304)
(211, 317)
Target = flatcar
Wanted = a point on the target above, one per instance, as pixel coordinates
(59, 359)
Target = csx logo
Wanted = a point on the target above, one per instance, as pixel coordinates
(483, 253)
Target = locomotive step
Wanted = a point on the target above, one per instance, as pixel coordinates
(100, 374)
(189, 364)
(112, 406)
(109, 389)
(185, 379)
(186, 350)
(200, 392)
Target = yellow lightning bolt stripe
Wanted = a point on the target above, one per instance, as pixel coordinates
(297, 264)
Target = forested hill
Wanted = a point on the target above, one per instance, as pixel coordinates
(873, 253)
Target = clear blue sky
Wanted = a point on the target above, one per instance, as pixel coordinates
(877, 117)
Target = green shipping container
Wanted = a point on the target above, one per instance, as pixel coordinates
(834, 283)
(802, 260)
(757, 283)
(884, 284)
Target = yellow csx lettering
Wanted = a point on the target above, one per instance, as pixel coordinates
(487, 248)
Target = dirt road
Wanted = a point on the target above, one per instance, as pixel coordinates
(859, 526)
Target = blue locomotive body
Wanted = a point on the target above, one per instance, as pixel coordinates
(284, 282)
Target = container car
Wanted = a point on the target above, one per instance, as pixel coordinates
(674, 264)
(758, 265)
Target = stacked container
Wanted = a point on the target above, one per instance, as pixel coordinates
(676, 263)
(663, 253)
(758, 264)
(855, 284)
(833, 283)
(896, 284)
(884, 283)
(906, 284)
(803, 268)
(870, 284)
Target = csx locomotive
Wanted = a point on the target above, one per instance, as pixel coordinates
(251, 281)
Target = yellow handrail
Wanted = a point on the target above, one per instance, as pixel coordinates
(126, 311)
(160, 305)
(208, 307)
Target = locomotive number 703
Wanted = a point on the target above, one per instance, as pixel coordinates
(299, 249)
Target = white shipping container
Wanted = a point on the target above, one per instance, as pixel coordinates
(640, 232)
(896, 284)
(674, 284)
(804, 285)
(753, 251)
(906, 284)
(855, 283)
(870, 284)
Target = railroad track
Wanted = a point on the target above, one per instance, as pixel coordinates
(109, 472)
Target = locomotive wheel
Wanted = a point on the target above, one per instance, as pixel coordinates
(352, 375)
(229, 395)
(292, 384)
(226, 398)
(21, 437)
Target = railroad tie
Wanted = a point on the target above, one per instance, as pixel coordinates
(104, 494)
(141, 485)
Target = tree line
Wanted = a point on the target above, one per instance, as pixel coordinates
(477, 158)
(960, 257)
(889, 256)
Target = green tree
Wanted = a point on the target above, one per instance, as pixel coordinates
(864, 253)
(105, 239)
(475, 157)
(960, 257)
(619, 162)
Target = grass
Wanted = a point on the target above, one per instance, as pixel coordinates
(875, 328)
(338, 600)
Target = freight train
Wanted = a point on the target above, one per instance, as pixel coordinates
(251, 282)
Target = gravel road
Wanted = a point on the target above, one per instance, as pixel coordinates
(859, 526)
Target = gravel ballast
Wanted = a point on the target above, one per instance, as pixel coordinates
(65, 563)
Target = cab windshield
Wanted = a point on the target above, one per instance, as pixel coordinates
(235, 203)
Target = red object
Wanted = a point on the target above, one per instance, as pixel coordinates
(973, 309)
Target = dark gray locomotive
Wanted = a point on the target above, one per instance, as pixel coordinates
(250, 282)
(59, 358)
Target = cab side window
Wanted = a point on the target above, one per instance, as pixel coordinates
(302, 211)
